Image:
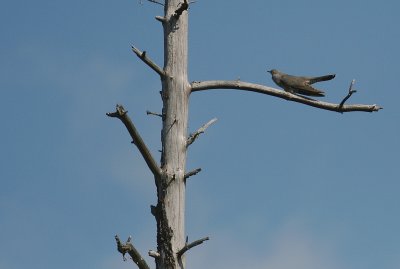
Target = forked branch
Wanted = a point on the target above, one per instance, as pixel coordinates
(121, 114)
(131, 250)
(351, 91)
(246, 86)
(142, 55)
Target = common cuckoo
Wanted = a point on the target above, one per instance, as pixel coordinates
(298, 85)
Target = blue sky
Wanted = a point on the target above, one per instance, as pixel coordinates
(283, 185)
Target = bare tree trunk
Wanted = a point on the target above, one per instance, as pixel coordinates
(175, 94)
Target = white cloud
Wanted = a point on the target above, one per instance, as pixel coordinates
(293, 247)
(296, 248)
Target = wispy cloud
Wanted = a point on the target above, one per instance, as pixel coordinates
(293, 247)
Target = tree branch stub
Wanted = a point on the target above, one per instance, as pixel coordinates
(192, 173)
(161, 19)
(154, 114)
(154, 254)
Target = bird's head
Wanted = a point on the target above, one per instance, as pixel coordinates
(273, 71)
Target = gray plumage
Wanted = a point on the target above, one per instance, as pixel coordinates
(298, 85)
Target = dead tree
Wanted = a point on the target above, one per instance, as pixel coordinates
(170, 175)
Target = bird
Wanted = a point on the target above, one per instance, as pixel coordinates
(297, 84)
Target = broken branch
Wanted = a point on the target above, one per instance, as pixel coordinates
(154, 254)
(191, 245)
(246, 86)
(149, 62)
(192, 173)
(201, 130)
(121, 114)
(131, 250)
(161, 19)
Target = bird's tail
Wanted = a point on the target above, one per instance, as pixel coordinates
(322, 78)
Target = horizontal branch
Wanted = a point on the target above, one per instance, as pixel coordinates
(246, 86)
(121, 114)
(201, 130)
(154, 114)
(149, 62)
(191, 245)
(131, 250)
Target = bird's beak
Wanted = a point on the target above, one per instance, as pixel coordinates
(269, 71)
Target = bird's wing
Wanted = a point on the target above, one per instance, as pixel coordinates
(307, 89)
(301, 85)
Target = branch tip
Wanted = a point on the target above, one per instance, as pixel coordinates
(148, 61)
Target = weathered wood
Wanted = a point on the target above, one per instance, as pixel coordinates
(175, 95)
